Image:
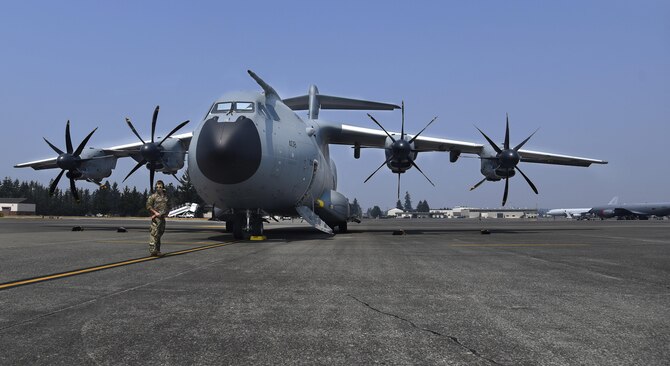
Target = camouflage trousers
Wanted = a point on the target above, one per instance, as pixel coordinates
(155, 232)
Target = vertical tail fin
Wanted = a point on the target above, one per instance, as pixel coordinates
(614, 200)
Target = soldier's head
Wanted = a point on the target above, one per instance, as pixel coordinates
(160, 186)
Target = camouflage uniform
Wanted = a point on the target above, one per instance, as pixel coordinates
(159, 202)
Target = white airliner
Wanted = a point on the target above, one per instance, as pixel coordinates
(569, 212)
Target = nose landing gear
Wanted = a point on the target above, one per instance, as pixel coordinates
(248, 225)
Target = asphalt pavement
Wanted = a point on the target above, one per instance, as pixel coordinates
(547, 292)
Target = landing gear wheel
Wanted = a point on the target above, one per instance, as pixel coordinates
(238, 230)
(229, 226)
(342, 227)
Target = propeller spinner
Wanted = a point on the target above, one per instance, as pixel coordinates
(401, 149)
(507, 160)
(151, 151)
(69, 161)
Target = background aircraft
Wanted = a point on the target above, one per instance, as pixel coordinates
(576, 212)
(252, 156)
(568, 212)
(640, 211)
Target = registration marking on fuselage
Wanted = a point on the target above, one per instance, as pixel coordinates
(38, 279)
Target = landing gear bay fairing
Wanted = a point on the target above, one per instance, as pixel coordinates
(252, 156)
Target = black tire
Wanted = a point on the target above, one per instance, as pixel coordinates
(238, 230)
(342, 227)
(229, 226)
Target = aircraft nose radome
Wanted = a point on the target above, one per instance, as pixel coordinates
(228, 152)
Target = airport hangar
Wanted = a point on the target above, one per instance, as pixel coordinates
(467, 213)
(16, 207)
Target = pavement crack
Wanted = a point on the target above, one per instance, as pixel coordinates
(451, 338)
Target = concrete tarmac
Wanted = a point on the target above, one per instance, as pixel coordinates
(531, 293)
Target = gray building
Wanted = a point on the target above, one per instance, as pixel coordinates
(15, 206)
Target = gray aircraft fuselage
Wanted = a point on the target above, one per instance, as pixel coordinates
(261, 156)
(643, 210)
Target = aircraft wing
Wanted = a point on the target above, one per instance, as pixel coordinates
(116, 151)
(133, 148)
(557, 159)
(343, 134)
(39, 164)
(367, 137)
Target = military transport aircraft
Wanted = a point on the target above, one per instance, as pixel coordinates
(252, 156)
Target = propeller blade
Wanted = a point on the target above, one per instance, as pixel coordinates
(506, 144)
(493, 144)
(177, 178)
(382, 127)
(132, 128)
(151, 179)
(384, 163)
(421, 171)
(68, 139)
(506, 191)
(398, 186)
(80, 148)
(134, 169)
(52, 188)
(173, 131)
(73, 190)
(524, 141)
(420, 132)
(57, 150)
(478, 184)
(532, 186)
(153, 123)
(402, 126)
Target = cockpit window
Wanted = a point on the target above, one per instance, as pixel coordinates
(229, 107)
(244, 106)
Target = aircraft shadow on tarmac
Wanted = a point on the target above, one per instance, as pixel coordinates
(292, 234)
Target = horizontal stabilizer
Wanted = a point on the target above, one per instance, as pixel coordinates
(301, 103)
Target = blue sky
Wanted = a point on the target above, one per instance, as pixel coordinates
(594, 76)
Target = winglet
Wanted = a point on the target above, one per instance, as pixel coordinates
(266, 87)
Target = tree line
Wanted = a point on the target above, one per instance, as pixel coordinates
(422, 206)
(111, 200)
(114, 201)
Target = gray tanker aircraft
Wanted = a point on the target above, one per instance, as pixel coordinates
(252, 156)
(640, 211)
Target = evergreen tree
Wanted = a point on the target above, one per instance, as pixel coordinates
(422, 206)
(186, 192)
(408, 202)
(398, 205)
(376, 212)
(356, 209)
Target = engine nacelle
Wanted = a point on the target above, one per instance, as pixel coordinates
(605, 214)
(172, 156)
(333, 208)
(488, 170)
(403, 155)
(99, 167)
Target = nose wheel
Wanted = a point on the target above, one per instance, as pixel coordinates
(248, 225)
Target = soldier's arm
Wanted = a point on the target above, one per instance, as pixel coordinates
(150, 207)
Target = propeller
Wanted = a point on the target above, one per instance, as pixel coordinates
(507, 160)
(69, 161)
(401, 149)
(151, 151)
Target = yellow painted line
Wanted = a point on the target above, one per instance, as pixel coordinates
(517, 245)
(54, 276)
